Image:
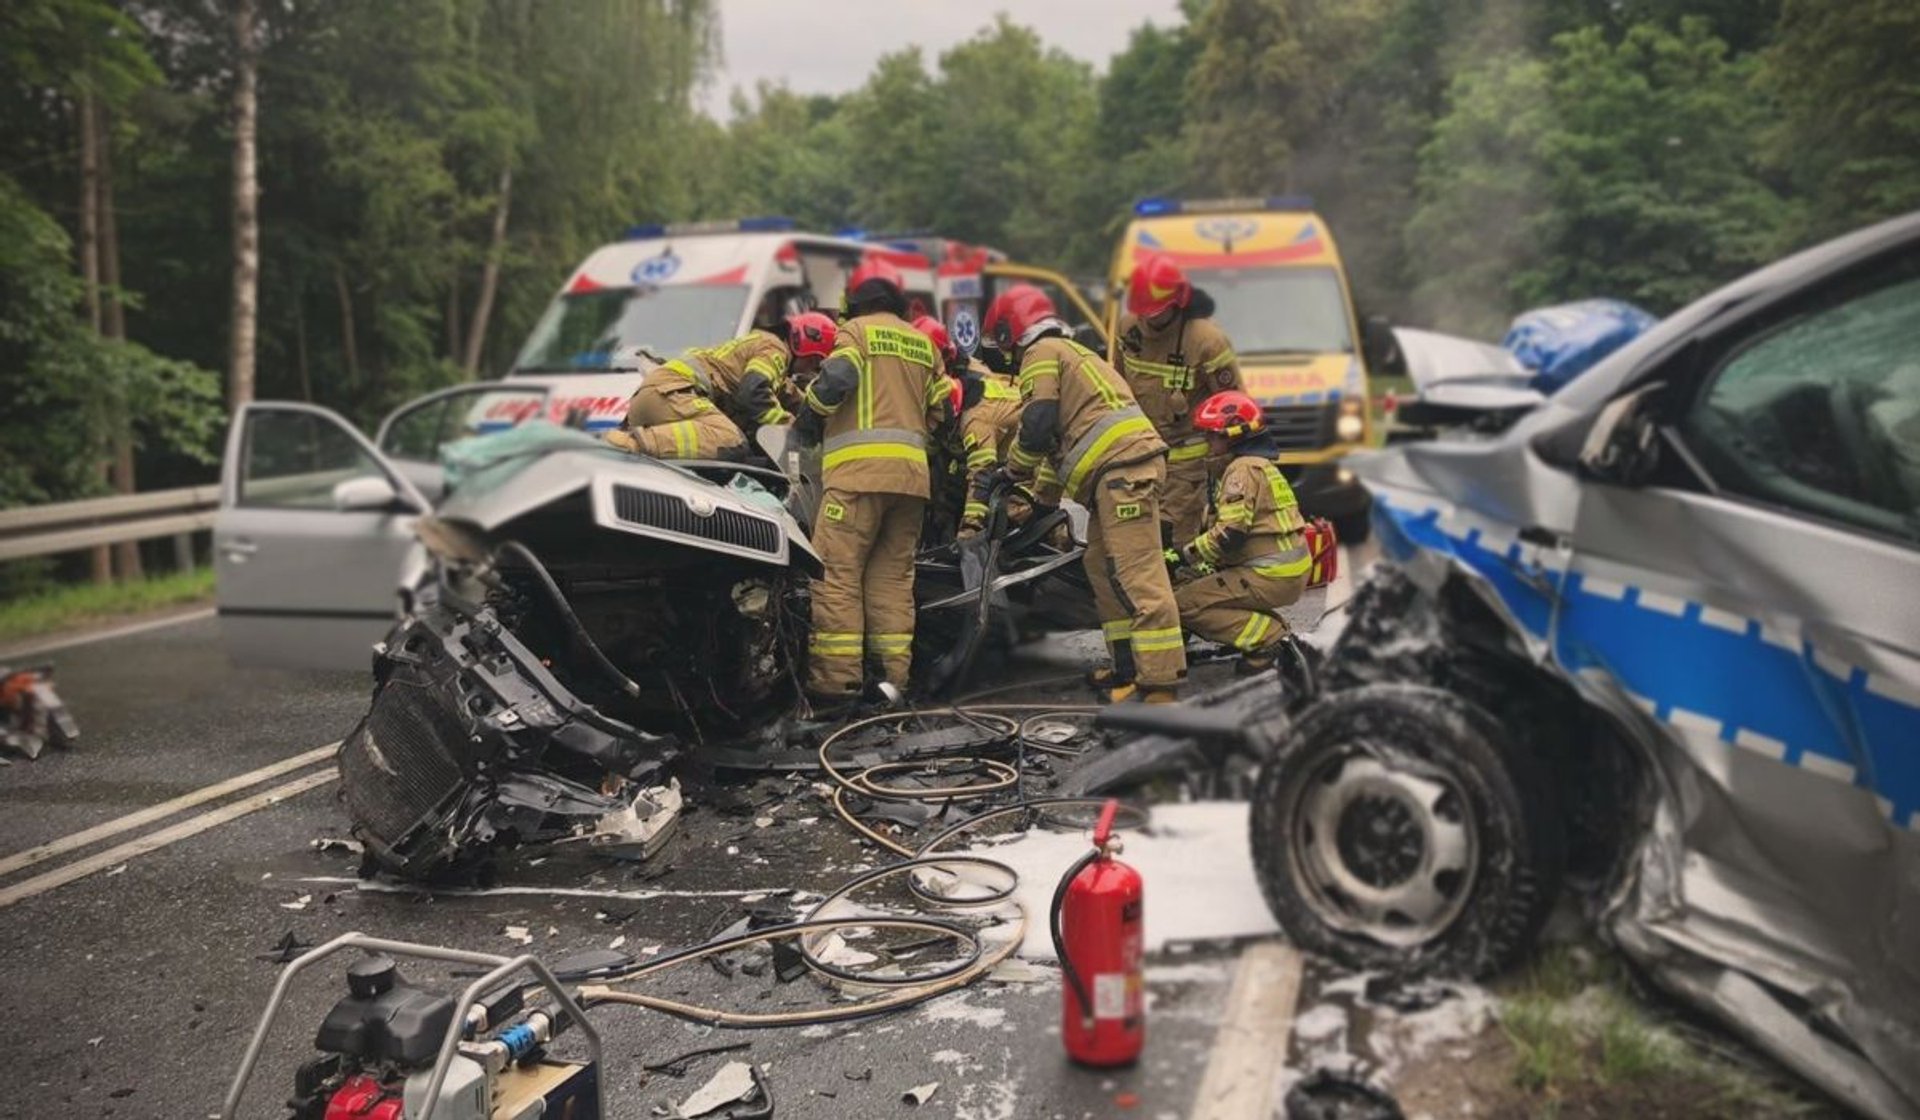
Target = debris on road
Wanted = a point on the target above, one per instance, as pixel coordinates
(32, 716)
(285, 950)
(1326, 1094)
(920, 1094)
(734, 1083)
(521, 934)
(677, 1067)
(300, 903)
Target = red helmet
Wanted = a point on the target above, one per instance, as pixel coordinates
(810, 334)
(1156, 285)
(1231, 413)
(874, 271)
(1013, 315)
(937, 331)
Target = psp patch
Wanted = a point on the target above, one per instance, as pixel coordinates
(1126, 511)
(834, 511)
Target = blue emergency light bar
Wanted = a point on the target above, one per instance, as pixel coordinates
(1158, 207)
(764, 224)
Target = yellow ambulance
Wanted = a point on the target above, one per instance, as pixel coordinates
(1281, 295)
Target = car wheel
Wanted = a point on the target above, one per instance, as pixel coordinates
(1398, 828)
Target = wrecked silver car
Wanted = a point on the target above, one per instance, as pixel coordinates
(1656, 639)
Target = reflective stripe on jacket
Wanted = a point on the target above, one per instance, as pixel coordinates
(1098, 424)
(1167, 389)
(1254, 522)
(874, 439)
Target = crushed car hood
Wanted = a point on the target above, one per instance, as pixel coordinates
(635, 495)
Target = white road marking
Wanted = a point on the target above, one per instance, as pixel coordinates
(18, 652)
(152, 813)
(1250, 1045)
(180, 830)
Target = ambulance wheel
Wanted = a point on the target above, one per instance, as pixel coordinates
(1399, 828)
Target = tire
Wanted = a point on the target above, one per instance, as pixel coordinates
(1446, 853)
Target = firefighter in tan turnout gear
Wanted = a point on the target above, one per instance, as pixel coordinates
(708, 401)
(878, 402)
(1253, 557)
(1077, 414)
(1175, 356)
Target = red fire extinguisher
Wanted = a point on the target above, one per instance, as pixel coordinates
(1097, 934)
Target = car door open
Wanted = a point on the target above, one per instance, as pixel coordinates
(313, 529)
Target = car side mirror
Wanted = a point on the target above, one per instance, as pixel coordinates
(366, 493)
(1378, 346)
(1623, 446)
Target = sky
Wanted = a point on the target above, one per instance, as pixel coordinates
(830, 46)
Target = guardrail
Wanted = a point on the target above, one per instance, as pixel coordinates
(72, 526)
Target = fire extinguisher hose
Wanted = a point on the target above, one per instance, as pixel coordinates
(1074, 980)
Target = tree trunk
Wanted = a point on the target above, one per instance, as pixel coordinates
(126, 554)
(455, 337)
(300, 347)
(100, 559)
(246, 208)
(348, 349)
(489, 276)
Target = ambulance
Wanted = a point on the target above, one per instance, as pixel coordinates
(1274, 273)
(671, 287)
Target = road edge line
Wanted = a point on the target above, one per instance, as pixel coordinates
(41, 853)
(17, 653)
(1250, 1045)
(153, 841)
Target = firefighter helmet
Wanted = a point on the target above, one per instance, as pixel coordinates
(1231, 413)
(811, 334)
(1018, 315)
(871, 279)
(1156, 285)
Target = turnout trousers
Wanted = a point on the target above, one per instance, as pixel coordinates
(1239, 607)
(863, 604)
(1183, 500)
(1131, 590)
(668, 418)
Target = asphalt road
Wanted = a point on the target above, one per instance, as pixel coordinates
(132, 990)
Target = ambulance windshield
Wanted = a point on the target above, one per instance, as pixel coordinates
(580, 332)
(1279, 310)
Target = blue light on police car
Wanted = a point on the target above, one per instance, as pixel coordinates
(1156, 207)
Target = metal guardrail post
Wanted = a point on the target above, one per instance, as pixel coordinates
(49, 530)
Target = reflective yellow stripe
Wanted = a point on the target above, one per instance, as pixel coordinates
(1172, 376)
(1118, 629)
(873, 451)
(1235, 515)
(1187, 452)
(890, 643)
(838, 643)
(981, 457)
(1277, 484)
(766, 366)
(1094, 445)
(1219, 361)
(1208, 550)
(820, 406)
(686, 438)
(1000, 390)
(1158, 641)
(1097, 381)
(1284, 571)
(939, 389)
(973, 510)
(1023, 459)
(1254, 633)
(690, 370)
(776, 415)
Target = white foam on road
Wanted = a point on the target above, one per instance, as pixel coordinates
(1196, 870)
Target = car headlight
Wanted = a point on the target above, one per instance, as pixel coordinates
(1350, 427)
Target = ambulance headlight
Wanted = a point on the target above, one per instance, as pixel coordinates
(1351, 425)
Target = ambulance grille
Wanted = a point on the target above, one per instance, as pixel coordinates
(398, 776)
(1302, 427)
(670, 514)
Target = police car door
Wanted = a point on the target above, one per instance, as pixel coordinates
(1760, 597)
(313, 529)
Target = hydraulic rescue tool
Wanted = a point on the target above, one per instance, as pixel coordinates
(31, 715)
(394, 1051)
(1096, 923)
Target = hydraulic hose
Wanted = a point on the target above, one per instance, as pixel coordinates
(1072, 974)
(574, 625)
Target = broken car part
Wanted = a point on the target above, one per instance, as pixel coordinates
(32, 718)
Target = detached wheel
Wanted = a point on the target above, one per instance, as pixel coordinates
(1398, 828)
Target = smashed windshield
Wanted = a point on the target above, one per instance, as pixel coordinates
(1279, 311)
(580, 332)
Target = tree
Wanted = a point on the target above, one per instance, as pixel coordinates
(246, 207)
(1849, 133)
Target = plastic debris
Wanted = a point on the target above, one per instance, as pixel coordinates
(521, 934)
(733, 1083)
(920, 1094)
(300, 903)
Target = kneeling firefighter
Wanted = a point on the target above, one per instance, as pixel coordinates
(1252, 559)
(1077, 411)
(880, 397)
(705, 403)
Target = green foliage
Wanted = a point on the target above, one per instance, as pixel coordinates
(1849, 93)
(50, 610)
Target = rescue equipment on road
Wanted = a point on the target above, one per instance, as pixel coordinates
(1096, 924)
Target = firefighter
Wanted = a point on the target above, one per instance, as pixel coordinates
(706, 403)
(880, 398)
(1252, 559)
(1077, 415)
(1175, 356)
(668, 417)
(989, 410)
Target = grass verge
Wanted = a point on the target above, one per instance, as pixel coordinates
(66, 608)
